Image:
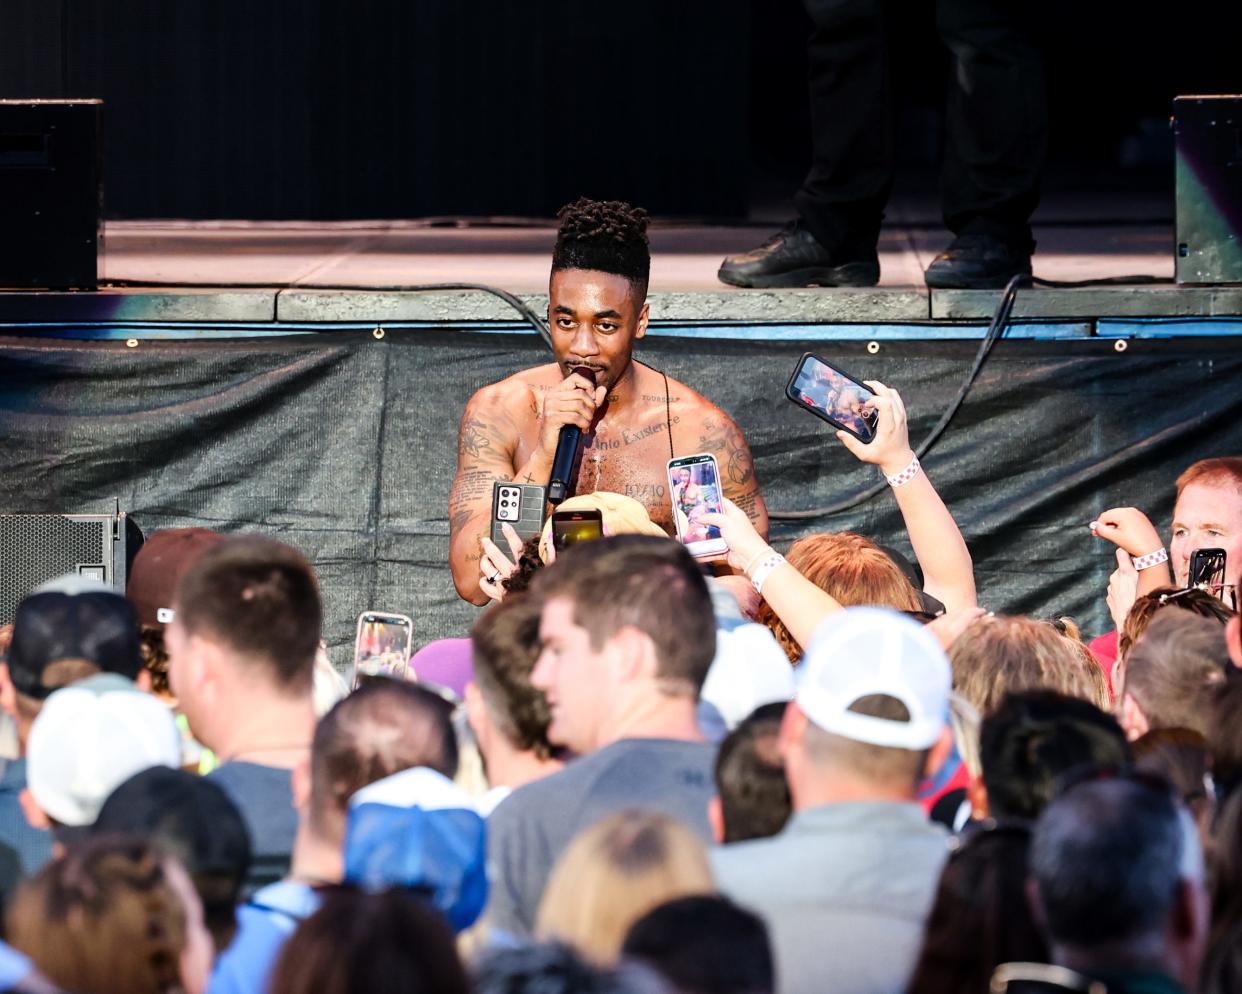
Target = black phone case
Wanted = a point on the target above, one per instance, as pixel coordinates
(823, 416)
(593, 516)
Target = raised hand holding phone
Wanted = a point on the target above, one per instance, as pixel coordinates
(745, 544)
(494, 566)
(890, 448)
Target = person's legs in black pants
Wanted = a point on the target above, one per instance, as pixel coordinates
(841, 202)
(843, 197)
(996, 133)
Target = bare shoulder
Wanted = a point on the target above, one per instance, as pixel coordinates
(701, 419)
(513, 394)
(497, 414)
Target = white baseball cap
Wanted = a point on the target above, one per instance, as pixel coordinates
(750, 669)
(91, 737)
(865, 651)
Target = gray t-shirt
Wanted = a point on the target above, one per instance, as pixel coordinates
(264, 796)
(845, 890)
(530, 829)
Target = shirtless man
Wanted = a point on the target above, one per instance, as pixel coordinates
(634, 419)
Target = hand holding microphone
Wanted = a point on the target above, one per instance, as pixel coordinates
(569, 410)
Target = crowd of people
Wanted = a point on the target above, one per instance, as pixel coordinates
(640, 783)
(829, 770)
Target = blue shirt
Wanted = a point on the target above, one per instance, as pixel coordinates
(264, 924)
(32, 845)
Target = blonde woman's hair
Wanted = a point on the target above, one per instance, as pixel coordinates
(853, 569)
(612, 874)
(998, 655)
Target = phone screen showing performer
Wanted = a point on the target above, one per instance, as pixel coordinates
(382, 645)
(694, 486)
(834, 396)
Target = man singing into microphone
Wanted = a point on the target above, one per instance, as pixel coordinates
(633, 418)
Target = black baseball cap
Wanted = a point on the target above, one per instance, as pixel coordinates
(190, 816)
(96, 626)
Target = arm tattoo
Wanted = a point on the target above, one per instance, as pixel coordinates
(726, 442)
(748, 502)
(474, 441)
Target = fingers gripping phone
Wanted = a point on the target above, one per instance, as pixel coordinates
(694, 486)
(520, 505)
(382, 645)
(834, 396)
(570, 527)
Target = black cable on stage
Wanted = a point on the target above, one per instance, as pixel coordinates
(531, 318)
(996, 329)
(1138, 279)
(1000, 321)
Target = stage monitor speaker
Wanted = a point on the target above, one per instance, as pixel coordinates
(35, 548)
(1207, 134)
(51, 193)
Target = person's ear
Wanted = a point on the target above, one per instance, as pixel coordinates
(977, 795)
(643, 317)
(476, 711)
(143, 680)
(715, 818)
(1233, 634)
(36, 817)
(8, 693)
(302, 785)
(792, 731)
(632, 655)
(1132, 719)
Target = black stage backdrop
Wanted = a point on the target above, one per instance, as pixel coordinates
(344, 446)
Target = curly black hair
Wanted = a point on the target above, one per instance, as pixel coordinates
(608, 236)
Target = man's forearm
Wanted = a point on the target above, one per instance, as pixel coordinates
(537, 469)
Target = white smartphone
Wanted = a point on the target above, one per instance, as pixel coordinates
(382, 645)
(694, 486)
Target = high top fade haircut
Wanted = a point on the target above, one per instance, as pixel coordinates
(608, 236)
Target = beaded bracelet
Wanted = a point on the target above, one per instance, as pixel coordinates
(1151, 559)
(907, 474)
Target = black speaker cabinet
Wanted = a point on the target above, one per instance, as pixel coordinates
(51, 193)
(1208, 138)
(35, 548)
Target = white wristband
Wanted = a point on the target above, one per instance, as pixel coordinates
(907, 474)
(767, 550)
(1151, 559)
(764, 570)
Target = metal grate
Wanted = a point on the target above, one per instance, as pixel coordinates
(35, 548)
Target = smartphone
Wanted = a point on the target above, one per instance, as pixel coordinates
(834, 396)
(1207, 571)
(569, 527)
(521, 505)
(694, 485)
(382, 646)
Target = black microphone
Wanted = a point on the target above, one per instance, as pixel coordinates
(568, 452)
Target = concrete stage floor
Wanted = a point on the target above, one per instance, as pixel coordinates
(1079, 238)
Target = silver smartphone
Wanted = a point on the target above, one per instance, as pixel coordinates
(694, 486)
